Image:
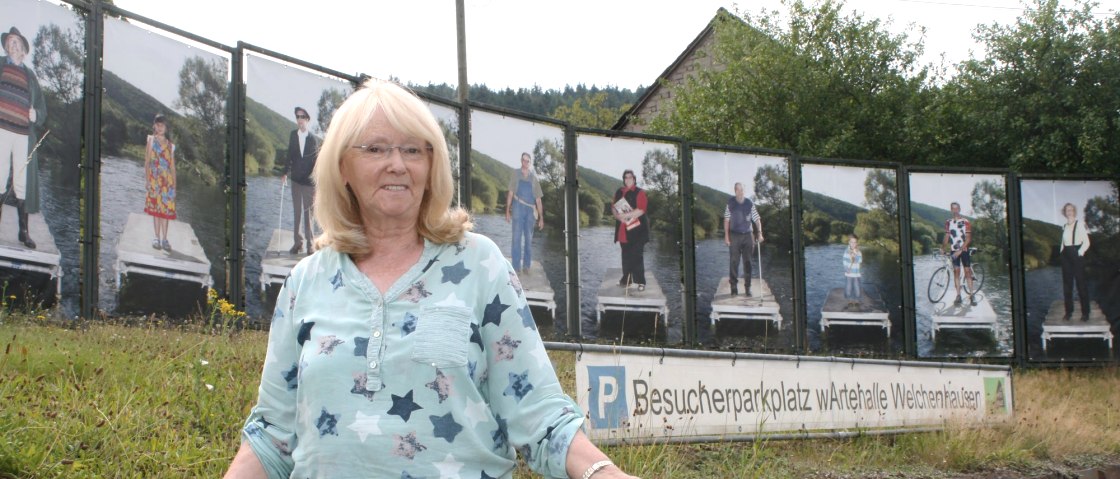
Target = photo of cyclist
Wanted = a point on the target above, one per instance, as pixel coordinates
(958, 238)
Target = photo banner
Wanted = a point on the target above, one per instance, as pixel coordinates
(632, 398)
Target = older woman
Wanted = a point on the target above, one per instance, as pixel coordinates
(1075, 243)
(404, 347)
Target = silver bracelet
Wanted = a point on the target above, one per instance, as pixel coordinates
(596, 467)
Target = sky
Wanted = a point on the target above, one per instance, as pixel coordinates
(844, 183)
(150, 61)
(1043, 199)
(612, 156)
(505, 138)
(512, 43)
(282, 87)
(941, 189)
(720, 170)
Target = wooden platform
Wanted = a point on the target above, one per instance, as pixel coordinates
(948, 316)
(1055, 325)
(277, 262)
(44, 259)
(836, 311)
(761, 305)
(185, 262)
(613, 297)
(537, 288)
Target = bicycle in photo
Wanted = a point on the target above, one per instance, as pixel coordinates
(942, 279)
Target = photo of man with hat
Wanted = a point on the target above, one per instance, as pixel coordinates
(23, 111)
(302, 151)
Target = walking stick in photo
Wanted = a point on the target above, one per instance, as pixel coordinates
(280, 219)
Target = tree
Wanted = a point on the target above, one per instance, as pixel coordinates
(1102, 214)
(329, 101)
(58, 59)
(771, 185)
(548, 162)
(879, 190)
(590, 111)
(203, 89)
(1044, 98)
(822, 83)
(989, 200)
(660, 169)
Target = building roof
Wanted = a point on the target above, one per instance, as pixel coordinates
(688, 52)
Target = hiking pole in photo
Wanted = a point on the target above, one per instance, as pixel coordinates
(280, 219)
(23, 166)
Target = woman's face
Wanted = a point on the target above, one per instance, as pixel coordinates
(159, 128)
(1070, 212)
(853, 243)
(392, 187)
(628, 180)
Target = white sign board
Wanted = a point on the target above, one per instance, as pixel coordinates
(637, 398)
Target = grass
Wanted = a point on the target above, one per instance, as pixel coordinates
(147, 399)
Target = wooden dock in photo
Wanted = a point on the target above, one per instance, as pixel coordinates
(1055, 325)
(760, 305)
(185, 262)
(869, 312)
(277, 262)
(44, 259)
(537, 288)
(946, 315)
(613, 297)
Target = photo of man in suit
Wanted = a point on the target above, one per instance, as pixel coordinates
(302, 151)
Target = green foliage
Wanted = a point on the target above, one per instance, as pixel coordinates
(548, 163)
(329, 101)
(662, 185)
(823, 83)
(817, 227)
(590, 111)
(771, 185)
(1102, 214)
(1042, 99)
(880, 190)
(989, 229)
(203, 89)
(260, 148)
(59, 56)
(539, 101)
(879, 228)
(925, 237)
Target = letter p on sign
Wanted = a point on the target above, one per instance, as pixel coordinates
(608, 396)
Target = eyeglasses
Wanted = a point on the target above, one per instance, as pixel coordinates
(302, 117)
(380, 151)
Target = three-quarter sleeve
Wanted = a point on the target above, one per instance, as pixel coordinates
(525, 396)
(270, 427)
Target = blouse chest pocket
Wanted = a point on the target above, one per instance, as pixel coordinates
(442, 336)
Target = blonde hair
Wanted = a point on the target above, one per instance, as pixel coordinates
(336, 208)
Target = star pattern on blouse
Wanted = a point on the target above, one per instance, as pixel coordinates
(500, 436)
(416, 292)
(304, 331)
(527, 317)
(408, 325)
(515, 283)
(505, 348)
(476, 412)
(327, 423)
(441, 385)
(445, 427)
(449, 468)
(336, 280)
(519, 385)
(486, 476)
(452, 300)
(403, 406)
(360, 345)
(494, 265)
(407, 446)
(476, 336)
(454, 273)
(493, 312)
(365, 425)
(291, 376)
(360, 386)
(328, 343)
